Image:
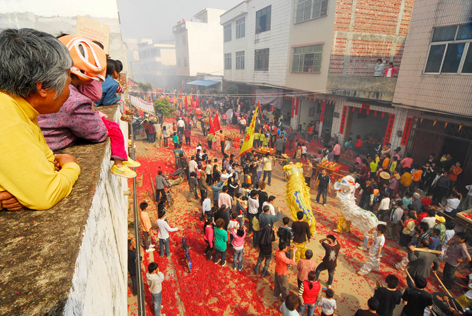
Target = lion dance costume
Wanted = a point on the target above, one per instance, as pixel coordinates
(364, 220)
(298, 199)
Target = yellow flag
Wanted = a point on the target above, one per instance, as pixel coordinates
(249, 138)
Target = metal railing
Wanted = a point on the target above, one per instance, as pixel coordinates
(139, 273)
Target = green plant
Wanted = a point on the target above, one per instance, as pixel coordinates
(164, 107)
(232, 89)
(145, 86)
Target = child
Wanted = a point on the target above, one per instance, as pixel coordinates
(110, 86)
(206, 208)
(221, 238)
(285, 234)
(241, 208)
(76, 117)
(358, 160)
(164, 230)
(238, 245)
(328, 304)
(208, 237)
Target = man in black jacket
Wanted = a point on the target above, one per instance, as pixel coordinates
(132, 265)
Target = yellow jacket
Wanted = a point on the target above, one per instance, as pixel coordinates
(27, 170)
(406, 179)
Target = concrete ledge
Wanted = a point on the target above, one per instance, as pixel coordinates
(71, 259)
(372, 88)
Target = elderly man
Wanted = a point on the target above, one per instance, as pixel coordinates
(34, 80)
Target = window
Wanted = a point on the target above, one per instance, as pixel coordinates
(227, 33)
(241, 27)
(240, 60)
(184, 40)
(185, 62)
(261, 60)
(178, 62)
(228, 61)
(263, 20)
(450, 50)
(307, 58)
(310, 9)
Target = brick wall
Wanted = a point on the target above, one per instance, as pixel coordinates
(367, 30)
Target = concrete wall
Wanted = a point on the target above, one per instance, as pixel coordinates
(99, 284)
(445, 93)
(276, 40)
(319, 31)
(365, 31)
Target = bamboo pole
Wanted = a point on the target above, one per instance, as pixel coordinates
(447, 291)
(438, 252)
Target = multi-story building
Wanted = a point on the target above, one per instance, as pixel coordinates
(156, 63)
(199, 45)
(321, 54)
(334, 46)
(435, 83)
(256, 36)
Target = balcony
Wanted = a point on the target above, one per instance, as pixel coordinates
(369, 88)
(71, 259)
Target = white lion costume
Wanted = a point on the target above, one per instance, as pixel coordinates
(362, 219)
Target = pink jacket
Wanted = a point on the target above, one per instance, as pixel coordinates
(208, 236)
(238, 242)
(394, 71)
(337, 150)
(75, 120)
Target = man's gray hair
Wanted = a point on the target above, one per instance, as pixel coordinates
(28, 57)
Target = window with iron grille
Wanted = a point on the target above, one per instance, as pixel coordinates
(227, 34)
(450, 51)
(185, 62)
(241, 27)
(263, 20)
(261, 60)
(228, 61)
(306, 10)
(240, 60)
(307, 58)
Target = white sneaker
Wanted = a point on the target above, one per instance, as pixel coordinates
(223, 265)
(150, 249)
(336, 231)
(152, 245)
(218, 261)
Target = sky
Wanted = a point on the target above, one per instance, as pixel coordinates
(155, 18)
(98, 8)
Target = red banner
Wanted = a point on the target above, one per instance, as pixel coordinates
(383, 114)
(323, 105)
(367, 107)
(388, 132)
(406, 131)
(293, 105)
(343, 120)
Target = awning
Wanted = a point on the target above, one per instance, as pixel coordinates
(205, 83)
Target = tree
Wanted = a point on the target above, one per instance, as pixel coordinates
(164, 107)
(232, 89)
(145, 86)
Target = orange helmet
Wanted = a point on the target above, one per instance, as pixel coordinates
(90, 61)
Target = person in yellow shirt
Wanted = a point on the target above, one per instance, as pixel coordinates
(393, 165)
(405, 181)
(34, 80)
(257, 136)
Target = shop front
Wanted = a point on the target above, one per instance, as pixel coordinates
(441, 138)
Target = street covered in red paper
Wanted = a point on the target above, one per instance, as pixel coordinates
(210, 289)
